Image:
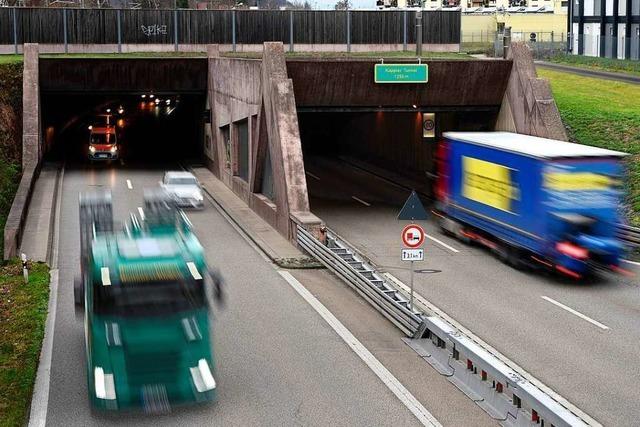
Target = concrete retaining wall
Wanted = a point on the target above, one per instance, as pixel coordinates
(31, 152)
(260, 94)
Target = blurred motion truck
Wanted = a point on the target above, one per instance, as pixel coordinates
(145, 306)
(532, 199)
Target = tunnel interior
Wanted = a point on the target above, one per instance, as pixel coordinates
(351, 152)
(149, 127)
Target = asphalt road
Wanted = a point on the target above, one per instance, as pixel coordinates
(279, 362)
(587, 72)
(592, 367)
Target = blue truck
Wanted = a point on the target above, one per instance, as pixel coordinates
(532, 200)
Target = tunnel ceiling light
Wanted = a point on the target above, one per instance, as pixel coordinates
(90, 127)
(143, 96)
(151, 96)
(120, 110)
(168, 101)
(108, 110)
(414, 106)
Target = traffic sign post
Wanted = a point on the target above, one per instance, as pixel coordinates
(413, 238)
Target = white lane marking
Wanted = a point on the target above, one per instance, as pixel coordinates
(313, 176)
(141, 212)
(40, 398)
(577, 313)
(631, 262)
(392, 383)
(361, 201)
(129, 185)
(451, 248)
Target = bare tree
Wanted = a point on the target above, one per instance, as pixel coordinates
(299, 4)
(342, 5)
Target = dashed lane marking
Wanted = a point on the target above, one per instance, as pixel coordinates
(361, 201)
(576, 313)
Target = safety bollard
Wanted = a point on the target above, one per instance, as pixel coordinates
(25, 268)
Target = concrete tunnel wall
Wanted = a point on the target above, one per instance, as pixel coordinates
(270, 94)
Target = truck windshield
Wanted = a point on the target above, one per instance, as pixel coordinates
(149, 299)
(103, 138)
(181, 181)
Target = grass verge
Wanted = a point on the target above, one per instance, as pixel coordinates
(605, 114)
(600, 64)
(23, 311)
(256, 55)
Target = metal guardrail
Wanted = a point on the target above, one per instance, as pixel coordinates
(514, 399)
(337, 256)
(629, 235)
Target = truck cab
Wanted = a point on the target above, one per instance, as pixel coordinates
(103, 143)
(146, 310)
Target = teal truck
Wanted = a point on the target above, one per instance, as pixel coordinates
(144, 294)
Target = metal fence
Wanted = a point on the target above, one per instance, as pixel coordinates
(184, 26)
(610, 46)
(543, 44)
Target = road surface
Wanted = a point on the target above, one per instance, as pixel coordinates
(279, 362)
(589, 362)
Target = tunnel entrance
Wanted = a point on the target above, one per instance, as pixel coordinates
(150, 128)
(377, 155)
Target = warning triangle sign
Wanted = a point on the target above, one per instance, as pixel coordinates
(413, 209)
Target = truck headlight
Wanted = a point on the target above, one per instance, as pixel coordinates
(202, 377)
(92, 149)
(104, 384)
(114, 149)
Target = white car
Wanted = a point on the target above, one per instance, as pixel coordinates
(184, 188)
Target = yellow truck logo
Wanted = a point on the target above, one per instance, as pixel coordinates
(488, 183)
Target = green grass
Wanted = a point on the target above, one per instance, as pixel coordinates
(346, 55)
(602, 113)
(127, 55)
(600, 64)
(23, 311)
(10, 59)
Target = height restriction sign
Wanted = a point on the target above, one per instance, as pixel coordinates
(412, 236)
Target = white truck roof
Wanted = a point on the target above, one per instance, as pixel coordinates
(531, 146)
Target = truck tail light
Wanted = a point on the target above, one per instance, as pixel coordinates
(572, 250)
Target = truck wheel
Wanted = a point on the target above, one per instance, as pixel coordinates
(78, 293)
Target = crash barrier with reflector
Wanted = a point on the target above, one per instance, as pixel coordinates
(499, 389)
(362, 276)
(629, 235)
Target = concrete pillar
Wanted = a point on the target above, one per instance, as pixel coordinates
(31, 121)
(211, 152)
(528, 106)
(285, 148)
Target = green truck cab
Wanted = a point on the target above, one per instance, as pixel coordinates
(146, 313)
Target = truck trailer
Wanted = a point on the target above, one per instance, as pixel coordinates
(532, 199)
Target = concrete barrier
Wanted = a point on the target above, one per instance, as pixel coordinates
(18, 213)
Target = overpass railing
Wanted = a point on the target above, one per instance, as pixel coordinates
(629, 235)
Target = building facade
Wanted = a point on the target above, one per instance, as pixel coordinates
(605, 28)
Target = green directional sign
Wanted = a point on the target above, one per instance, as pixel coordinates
(401, 73)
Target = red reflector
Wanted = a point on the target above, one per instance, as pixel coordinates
(572, 250)
(568, 272)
